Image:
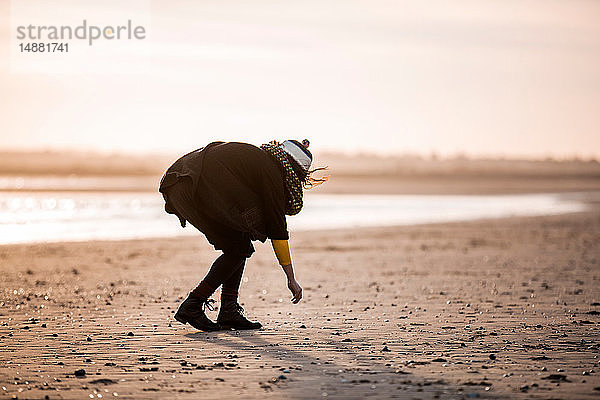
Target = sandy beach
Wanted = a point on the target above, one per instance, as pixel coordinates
(505, 308)
(448, 248)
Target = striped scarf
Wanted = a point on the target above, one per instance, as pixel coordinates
(293, 184)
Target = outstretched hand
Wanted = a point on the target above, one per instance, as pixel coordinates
(296, 290)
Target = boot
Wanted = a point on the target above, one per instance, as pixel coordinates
(191, 311)
(231, 316)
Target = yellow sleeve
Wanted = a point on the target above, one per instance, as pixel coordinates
(282, 251)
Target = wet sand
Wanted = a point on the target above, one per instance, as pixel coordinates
(503, 308)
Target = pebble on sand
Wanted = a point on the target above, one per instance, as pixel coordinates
(524, 388)
(103, 381)
(557, 378)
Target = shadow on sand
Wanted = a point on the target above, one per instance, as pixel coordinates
(310, 376)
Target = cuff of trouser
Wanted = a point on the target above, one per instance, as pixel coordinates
(229, 294)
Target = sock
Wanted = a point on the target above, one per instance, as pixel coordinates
(202, 291)
(229, 295)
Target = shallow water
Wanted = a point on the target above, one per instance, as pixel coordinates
(33, 216)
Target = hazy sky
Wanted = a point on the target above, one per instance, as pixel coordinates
(517, 78)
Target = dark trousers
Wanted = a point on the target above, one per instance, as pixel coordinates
(227, 269)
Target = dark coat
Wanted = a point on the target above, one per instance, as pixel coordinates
(237, 188)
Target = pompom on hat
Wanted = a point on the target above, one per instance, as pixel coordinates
(299, 152)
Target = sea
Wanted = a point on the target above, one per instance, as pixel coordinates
(47, 212)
